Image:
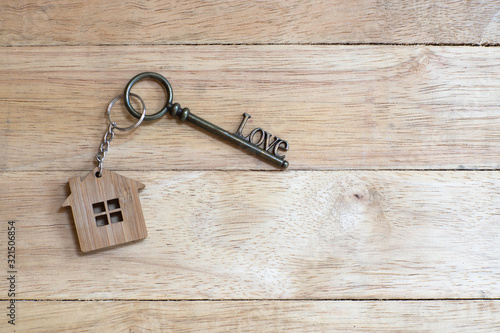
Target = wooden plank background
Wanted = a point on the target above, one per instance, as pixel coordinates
(387, 219)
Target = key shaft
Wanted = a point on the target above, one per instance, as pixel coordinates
(186, 115)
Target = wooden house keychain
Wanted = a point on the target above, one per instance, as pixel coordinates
(106, 206)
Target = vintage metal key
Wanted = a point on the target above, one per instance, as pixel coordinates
(258, 142)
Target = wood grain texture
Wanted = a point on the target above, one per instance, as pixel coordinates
(377, 86)
(269, 235)
(362, 107)
(44, 22)
(261, 316)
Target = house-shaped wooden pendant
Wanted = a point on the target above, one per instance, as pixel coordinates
(106, 210)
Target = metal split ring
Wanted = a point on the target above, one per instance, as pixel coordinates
(140, 116)
(158, 78)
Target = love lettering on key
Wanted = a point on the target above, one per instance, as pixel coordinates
(265, 139)
(258, 141)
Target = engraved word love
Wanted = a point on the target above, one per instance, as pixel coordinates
(264, 139)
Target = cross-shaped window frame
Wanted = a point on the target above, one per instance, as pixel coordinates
(107, 212)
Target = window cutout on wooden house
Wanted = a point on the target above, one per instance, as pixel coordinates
(113, 204)
(101, 220)
(107, 212)
(99, 208)
(116, 217)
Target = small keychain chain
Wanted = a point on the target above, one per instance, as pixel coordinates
(110, 133)
(103, 149)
